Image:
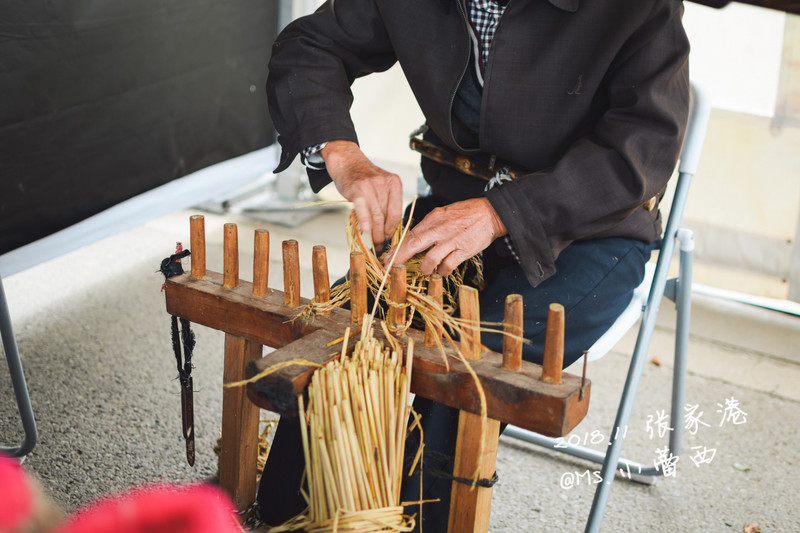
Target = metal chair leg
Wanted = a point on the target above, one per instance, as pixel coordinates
(680, 293)
(17, 381)
(683, 298)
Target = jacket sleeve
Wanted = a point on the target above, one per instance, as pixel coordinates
(314, 61)
(625, 158)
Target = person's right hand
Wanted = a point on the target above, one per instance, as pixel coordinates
(377, 195)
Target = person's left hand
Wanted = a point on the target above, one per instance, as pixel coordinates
(451, 235)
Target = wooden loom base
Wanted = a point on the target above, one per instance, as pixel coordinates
(518, 397)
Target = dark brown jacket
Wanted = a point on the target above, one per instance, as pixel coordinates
(590, 97)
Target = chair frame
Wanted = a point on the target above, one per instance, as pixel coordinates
(676, 289)
(17, 381)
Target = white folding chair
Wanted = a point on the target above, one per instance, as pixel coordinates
(645, 304)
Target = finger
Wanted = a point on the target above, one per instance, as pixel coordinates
(434, 257)
(416, 241)
(394, 206)
(362, 215)
(378, 235)
(451, 262)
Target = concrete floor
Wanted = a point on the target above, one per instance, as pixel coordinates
(94, 338)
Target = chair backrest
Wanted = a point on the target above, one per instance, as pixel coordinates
(647, 296)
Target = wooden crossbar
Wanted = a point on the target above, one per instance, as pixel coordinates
(518, 397)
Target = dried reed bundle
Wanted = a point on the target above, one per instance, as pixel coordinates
(354, 439)
(426, 309)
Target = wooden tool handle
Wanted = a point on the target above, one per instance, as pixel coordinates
(322, 285)
(230, 258)
(397, 297)
(512, 326)
(469, 308)
(197, 245)
(291, 273)
(554, 345)
(433, 331)
(358, 287)
(261, 263)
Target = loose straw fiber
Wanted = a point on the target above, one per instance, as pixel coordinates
(419, 304)
(353, 440)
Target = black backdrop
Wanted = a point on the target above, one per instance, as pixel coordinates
(101, 100)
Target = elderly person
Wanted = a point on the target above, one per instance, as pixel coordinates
(571, 114)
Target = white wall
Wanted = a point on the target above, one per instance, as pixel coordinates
(745, 202)
(736, 54)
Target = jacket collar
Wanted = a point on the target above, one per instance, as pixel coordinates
(566, 5)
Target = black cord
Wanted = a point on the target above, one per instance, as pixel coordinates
(187, 335)
(440, 465)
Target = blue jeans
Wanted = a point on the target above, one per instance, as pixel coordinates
(594, 281)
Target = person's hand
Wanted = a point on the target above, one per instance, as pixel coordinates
(451, 235)
(377, 195)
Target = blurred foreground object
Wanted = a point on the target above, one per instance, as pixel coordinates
(23, 506)
(158, 509)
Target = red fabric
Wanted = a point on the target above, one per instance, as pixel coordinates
(16, 495)
(158, 509)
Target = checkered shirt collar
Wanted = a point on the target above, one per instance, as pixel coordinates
(487, 5)
(484, 15)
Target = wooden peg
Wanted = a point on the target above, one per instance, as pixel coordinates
(291, 273)
(197, 245)
(261, 263)
(469, 309)
(322, 285)
(433, 332)
(397, 296)
(230, 244)
(554, 345)
(512, 325)
(358, 287)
